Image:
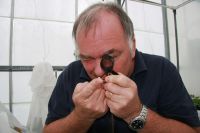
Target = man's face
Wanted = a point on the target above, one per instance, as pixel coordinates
(106, 36)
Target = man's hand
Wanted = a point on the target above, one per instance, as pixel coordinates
(122, 96)
(89, 99)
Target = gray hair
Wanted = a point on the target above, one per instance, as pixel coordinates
(90, 16)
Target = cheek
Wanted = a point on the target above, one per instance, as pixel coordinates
(122, 65)
(89, 67)
(119, 66)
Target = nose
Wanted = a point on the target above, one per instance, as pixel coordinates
(98, 70)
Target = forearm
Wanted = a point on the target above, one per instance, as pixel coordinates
(70, 124)
(158, 124)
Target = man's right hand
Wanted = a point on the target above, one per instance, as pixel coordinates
(89, 99)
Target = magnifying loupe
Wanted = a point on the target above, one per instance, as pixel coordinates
(107, 63)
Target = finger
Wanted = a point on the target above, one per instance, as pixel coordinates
(101, 96)
(80, 86)
(120, 80)
(102, 100)
(114, 88)
(95, 95)
(108, 94)
(90, 88)
(77, 94)
(113, 97)
(111, 105)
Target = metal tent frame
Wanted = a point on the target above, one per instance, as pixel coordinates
(172, 8)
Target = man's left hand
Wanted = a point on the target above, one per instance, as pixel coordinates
(122, 96)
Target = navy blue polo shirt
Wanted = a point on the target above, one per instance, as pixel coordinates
(160, 88)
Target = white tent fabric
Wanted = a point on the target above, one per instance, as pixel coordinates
(42, 83)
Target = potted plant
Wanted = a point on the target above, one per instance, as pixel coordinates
(196, 102)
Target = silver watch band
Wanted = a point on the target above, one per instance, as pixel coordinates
(143, 113)
(138, 122)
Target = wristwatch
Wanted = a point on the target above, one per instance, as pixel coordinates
(138, 122)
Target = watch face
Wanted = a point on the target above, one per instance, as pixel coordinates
(137, 124)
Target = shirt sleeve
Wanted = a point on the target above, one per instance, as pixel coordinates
(59, 104)
(175, 102)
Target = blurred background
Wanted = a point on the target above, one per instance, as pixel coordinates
(33, 31)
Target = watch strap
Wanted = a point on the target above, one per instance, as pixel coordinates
(134, 125)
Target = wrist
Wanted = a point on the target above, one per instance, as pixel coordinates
(138, 122)
(134, 114)
(81, 117)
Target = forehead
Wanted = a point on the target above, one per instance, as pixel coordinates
(104, 34)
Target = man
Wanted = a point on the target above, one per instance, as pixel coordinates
(146, 96)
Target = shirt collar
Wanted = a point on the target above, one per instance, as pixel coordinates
(140, 65)
(84, 75)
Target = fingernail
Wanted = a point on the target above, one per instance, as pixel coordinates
(107, 78)
(100, 79)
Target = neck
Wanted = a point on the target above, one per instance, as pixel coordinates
(132, 68)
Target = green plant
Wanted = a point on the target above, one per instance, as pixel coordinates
(196, 101)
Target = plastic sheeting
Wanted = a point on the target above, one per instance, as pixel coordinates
(8, 122)
(4, 125)
(42, 83)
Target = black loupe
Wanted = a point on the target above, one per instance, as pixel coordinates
(107, 63)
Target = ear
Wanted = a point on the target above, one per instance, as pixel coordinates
(133, 47)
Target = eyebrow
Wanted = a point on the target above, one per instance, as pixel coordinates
(81, 56)
(107, 52)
